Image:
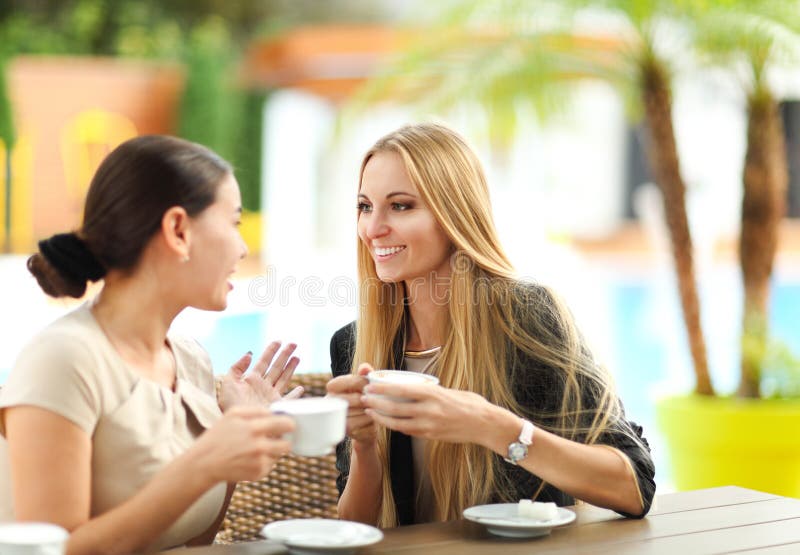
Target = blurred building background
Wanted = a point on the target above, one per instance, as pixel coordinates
(294, 92)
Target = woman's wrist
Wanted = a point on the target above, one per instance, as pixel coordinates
(366, 462)
(365, 450)
(501, 428)
(194, 464)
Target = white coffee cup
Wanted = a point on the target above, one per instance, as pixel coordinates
(32, 538)
(319, 423)
(400, 377)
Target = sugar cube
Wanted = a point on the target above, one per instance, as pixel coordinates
(536, 510)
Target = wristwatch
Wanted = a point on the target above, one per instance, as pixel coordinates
(518, 450)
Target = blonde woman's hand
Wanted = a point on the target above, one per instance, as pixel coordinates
(436, 412)
(243, 445)
(360, 427)
(264, 382)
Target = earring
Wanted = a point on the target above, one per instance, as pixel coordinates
(185, 258)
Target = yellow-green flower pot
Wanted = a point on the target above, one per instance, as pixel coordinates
(717, 441)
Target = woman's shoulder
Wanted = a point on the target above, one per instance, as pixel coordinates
(69, 339)
(59, 370)
(538, 308)
(527, 291)
(345, 336)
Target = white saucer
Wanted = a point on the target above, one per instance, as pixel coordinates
(306, 536)
(502, 519)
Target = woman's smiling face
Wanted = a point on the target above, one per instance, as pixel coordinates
(397, 226)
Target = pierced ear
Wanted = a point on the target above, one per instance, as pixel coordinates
(176, 228)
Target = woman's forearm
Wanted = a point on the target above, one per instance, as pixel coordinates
(362, 496)
(596, 474)
(136, 524)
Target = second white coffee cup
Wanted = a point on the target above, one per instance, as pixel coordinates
(319, 423)
(32, 538)
(400, 377)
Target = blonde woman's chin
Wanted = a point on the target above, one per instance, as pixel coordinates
(386, 277)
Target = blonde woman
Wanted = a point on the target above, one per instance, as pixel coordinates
(524, 411)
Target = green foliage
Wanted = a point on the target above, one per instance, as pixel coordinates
(142, 28)
(247, 150)
(216, 113)
(7, 134)
(756, 34)
(780, 367)
(504, 54)
(750, 37)
(508, 63)
(206, 105)
(205, 35)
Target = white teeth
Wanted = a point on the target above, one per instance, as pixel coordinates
(380, 251)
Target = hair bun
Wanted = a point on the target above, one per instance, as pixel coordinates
(70, 255)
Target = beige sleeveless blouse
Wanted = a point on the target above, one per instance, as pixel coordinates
(136, 425)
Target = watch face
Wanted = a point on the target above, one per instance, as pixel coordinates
(517, 451)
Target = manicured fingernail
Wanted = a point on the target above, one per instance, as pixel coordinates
(367, 389)
(249, 353)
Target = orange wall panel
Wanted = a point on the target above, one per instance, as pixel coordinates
(72, 111)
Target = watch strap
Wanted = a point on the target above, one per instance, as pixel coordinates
(526, 435)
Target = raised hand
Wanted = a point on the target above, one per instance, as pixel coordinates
(360, 426)
(264, 382)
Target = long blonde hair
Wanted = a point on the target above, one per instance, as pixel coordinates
(493, 318)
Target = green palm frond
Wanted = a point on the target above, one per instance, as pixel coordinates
(499, 69)
(462, 66)
(759, 33)
(502, 53)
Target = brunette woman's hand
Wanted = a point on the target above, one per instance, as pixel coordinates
(360, 427)
(265, 381)
(243, 445)
(434, 412)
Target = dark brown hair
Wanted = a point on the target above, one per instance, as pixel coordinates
(132, 189)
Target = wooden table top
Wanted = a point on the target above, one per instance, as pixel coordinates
(719, 520)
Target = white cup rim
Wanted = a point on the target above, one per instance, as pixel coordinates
(31, 533)
(326, 404)
(374, 377)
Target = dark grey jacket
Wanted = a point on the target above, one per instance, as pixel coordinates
(538, 389)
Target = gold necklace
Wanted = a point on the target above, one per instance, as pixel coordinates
(424, 353)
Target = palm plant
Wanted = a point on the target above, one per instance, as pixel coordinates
(651, 72)
(752, 36)
(532, 54)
